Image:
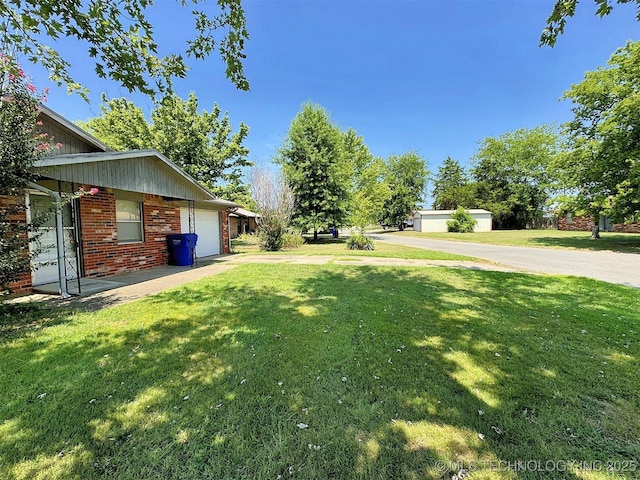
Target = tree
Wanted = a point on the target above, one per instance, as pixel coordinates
(122, 126)
(201, 143)
(407, 179)
(563, 9)
(20, 147)
(369, 190)
(512, 175)
(274, 202)
(313, 164)
(121, 41)
(451, 186)
(604, 138)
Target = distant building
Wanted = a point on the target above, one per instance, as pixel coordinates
(436, 220)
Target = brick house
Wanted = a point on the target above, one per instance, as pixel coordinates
(579, 223)
(242, 221)
(142, 197)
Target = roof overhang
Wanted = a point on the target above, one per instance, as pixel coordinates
(143, 171)
(72, 129)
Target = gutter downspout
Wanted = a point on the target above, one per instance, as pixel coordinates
(62, 280)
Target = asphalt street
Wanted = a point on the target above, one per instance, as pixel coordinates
(612, 267)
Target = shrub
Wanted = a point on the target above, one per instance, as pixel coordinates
(271, 234)
(461, 221)
(292, 240)
(358, 241)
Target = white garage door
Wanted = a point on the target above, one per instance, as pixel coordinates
(207, 226)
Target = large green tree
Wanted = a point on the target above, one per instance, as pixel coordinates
(313, 163)
(604, 137)
(451, 187)
(407, 179)
(369, 190)
(563, 9)
(200, 142)
(513, 178)
(120, 40)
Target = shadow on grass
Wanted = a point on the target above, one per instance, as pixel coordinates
(20, 319)
(329, 372)
(611, 242)
(325, 239)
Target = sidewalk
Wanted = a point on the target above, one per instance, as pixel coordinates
(118, 289)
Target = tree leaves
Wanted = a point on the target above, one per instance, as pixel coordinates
(201, 143)
(121, 40)
(605, 137)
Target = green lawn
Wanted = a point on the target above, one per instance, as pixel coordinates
(317, 372)
(620, 242)
(327, 245)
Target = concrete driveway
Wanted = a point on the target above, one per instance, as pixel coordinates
(621, 268)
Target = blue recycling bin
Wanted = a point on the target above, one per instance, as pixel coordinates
(181, 247)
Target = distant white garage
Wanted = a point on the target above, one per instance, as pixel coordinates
(436, 220)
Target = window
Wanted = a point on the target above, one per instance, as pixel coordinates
(569, 218)
(129, 219)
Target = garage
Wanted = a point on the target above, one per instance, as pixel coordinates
(207, 227)
(436, 220)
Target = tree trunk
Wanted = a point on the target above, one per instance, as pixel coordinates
(315, 235)
(595, 231)
(401, 226)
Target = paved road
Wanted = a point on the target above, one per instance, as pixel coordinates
(622, 268)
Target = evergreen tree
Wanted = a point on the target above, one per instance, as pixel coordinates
(313, 164)
(450, 186)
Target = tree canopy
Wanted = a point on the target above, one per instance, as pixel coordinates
(121, 41)
(604, 137)
(369, 191)
(563, 9)
(202, 143)
(512, 174)
(451, 186)
(314, 165)
(407, 179)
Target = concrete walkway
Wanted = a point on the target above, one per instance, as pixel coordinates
(612, 267)
(119, 289)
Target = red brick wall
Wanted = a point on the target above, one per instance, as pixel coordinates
(103, 255)
(622, 228)
(582, 224)
(585, 224)
(224, 218)
(23, 284)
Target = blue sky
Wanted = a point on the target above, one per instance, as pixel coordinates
(432, 76)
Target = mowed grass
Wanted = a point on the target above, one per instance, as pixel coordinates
(326, 245)
(316, 372)
(617, 242)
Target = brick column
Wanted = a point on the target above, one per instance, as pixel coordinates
(226, 245)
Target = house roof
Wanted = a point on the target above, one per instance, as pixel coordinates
(73, 129)
(241, 212)
(143, 171)
(449, 212)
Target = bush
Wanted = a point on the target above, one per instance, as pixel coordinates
(461, 221)
(292, 240)
(271, 234)
(358, 241)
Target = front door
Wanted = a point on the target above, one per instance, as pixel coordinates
(45, 264)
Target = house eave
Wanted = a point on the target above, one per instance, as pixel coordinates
(73, 129)
(105, 169)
